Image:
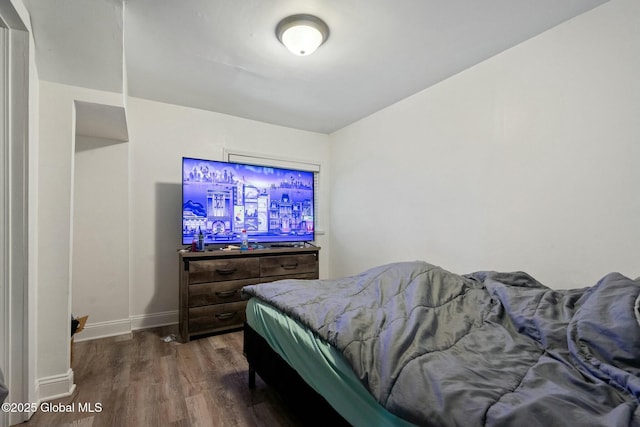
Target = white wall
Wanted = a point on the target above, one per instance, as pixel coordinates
(160, 135)
(55, 184)
(100, 263)
(527, 161)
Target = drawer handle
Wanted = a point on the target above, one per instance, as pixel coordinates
(226, 272)
(225, 316)
(226, 294)
(289, 266)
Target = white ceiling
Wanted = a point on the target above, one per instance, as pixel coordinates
(223, 56)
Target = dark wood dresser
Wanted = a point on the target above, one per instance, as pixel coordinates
(210, 283)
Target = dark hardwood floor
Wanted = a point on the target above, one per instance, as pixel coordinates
(140, 380)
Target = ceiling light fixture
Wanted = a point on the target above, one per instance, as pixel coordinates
(302, 34)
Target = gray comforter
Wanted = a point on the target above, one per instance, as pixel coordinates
(485, 349)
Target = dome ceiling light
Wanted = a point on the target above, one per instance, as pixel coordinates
(302, 34)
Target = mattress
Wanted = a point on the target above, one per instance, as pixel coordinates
(320, 365)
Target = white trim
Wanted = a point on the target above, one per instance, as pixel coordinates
(56, 386)
(153, 320)
(112, 328)
(5, 190)
(14, 226)
(71, 211)
(97, 330)
(231, 155)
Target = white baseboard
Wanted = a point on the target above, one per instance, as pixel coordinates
(97, 330)
(144, 321)
(112, 328)
(56, 386)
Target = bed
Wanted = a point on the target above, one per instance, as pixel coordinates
(413, 344)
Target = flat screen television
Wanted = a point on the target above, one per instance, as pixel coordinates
(274, 205)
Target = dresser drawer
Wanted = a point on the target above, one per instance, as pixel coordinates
(217, 316)
(217, 292)
(288, 264)
(211, 282)
(217, 270)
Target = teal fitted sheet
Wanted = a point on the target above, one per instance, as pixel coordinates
(320, 365)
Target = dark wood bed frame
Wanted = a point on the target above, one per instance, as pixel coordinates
(277, 373)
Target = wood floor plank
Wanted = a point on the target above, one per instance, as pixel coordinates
(141, 380)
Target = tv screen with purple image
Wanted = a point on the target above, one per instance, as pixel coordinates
(220, 199)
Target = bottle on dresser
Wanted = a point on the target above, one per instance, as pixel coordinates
(245, 240)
